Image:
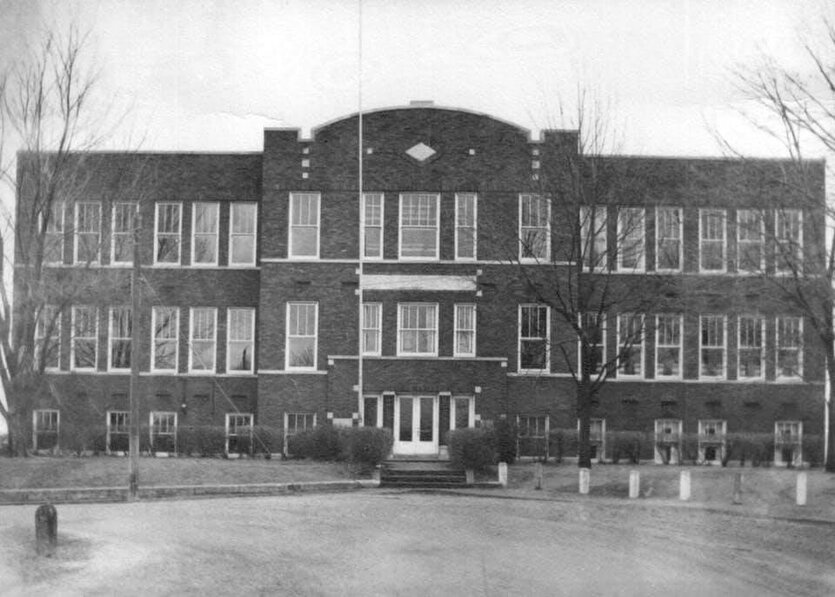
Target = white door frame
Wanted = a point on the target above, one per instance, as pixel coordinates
(415, 447)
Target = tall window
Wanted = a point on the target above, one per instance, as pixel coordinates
(789, 348)
(240, 347)
(631, 239)
(45, 423)
(120, 338)
(124, 223)
(202, 339)
(304, 225)
(534, 336)
(788, 225)
(465, 226)
(712, 240)
(712, 347)
(372, 323)
(594, 329)
(417, 329)
(239, 433)
(204, 227)
(48, 338)
(593, 231)
(302, 328)
(534, 228)
(372, 222)
(53, 251)
(87, 232)
(167, 230)
(465, 330)
(668, 246)
(419, 226)
(668, 346)
(118, 430)
(631, 345)
(749, 240)
(85, 338)
(165, 323)
(750, 353)
(163, 430)
(242, 232)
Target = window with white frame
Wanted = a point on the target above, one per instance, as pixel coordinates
(668, 346)
(631, 242)
(462, 413)
(238, 433)
(667, 440)
(304, 225)
(750, 236)
(788, 442)
(372, 222)
(85, 338)
(751, 347)
(302, 329)
(630, 345)
(297, 422)
(712, 240)
(668, 234)
(167, 232)
(593, 232)
(242, 233)
(788, 224)
(534, 228)
(419, 226)
(465, 330)
(789, 344)
(118, 430)
(594, 330)
(417, 329)
(124, 225)
(165, 324)
(163, 431)
(711, 440)
(45, 429)
(532, 435)
(712, 346)
(372, 326)
(204, 233)
(465, 226)
(48, 337)
(534, 338)
(87, 232)
(202, 339)
(53, 250)
(240, 340)
(119, 353)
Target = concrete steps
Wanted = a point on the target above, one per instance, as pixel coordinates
(423, 474)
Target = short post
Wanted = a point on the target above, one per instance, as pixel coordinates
(470, 475)
(634, 484)
(684, 486)
(46, 529)
(537, 473)
(503, 474)
(737, 500)
(801, 489)
(585, 478)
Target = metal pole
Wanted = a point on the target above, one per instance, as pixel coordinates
(133, 466)
(360, 400)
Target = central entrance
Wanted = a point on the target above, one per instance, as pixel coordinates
(416, 425)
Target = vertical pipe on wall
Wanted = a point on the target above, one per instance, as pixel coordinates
(360, 254)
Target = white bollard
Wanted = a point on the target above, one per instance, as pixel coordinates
(537, 475)
(684, 486)
(801, 489)
(503, 474)
(585, 478)
(634, 484)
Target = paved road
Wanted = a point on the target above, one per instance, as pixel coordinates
(378, 543)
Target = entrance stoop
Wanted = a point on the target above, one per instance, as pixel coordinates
(422, 473)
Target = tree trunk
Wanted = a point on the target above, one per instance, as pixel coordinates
(830, 449)
(17, 433)
(584, 415)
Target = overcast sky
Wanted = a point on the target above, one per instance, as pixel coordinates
(202, 75)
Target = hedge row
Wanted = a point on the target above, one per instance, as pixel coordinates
(366, 446)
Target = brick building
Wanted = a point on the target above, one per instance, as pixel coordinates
(252, 281)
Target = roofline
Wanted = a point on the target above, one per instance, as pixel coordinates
(704, 158)
(125, 152)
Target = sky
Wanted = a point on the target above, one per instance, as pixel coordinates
(210, 75)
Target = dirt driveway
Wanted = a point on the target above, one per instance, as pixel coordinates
(390, 543)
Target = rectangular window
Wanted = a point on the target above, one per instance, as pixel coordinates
(668, 346)
(668, 441)
(417, 330)
(45, 429)
(48, 338)
(124, 224)
(630, 239)
(593, 232)
(165, 323)
(120, 338)
(167, 232)
(789, 348)
(302, 328)
(87, 232)
(465, 330)
(53, 250)
(534, 338)
(630, 345)
(532, 435)
(240, 346)
(534, 228)
(750, 235)
(202, 339)
(85, 338)
(163, 431)
(788, 443)
(594, 330)
(788, 233)
(668, 254)
(204, 233)
(711, 440)
(712, 347)
(419, 226)
(304, 225)
(298, 422)
(750, 353)
(242, 233)
(712, 240)
(372, 214)
(372, 325)
(238, 433)
(465, 226)
(118, 430)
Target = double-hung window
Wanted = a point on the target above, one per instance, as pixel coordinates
(87, 232)
(668, 346)
(240, 344)
(751, 347)
(749, 241)
(631, 239)
(45, 427)
(788, 224)
(630, 345)
(53, 250)
(163, 430)
(204, 233)
(118, 430)
(668, 246)
(419, 226)
(712, 240)
(48, 338)
(789, 344)
(465, 226)
(417, 329)
(165, 325)
(124, 226)
(304, 225)
(119, 353)
(167, 232)
(85, 338)
(712, 346)
(372, 222)
(297, 422)
(242, 231)
(202, 339)
(534, 228)
(593, 232)
(534, 338)
(302, 329)
(465, 330)
(593, 326)
(372, 323)
(239, 433)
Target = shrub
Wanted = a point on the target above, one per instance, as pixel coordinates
(77, 439)
(506, 437)
(319, 443)
(689, 448)
(813, 450)
(366, 446)
(473, 448)
(756, 448)
(201, 440)
(267, 440)
(628, 445)
(562, 443)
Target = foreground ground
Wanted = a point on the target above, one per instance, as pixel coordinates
(389, 543)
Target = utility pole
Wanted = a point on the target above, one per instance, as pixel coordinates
(133, 467)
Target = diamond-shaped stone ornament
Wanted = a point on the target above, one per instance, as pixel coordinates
(421, 152)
